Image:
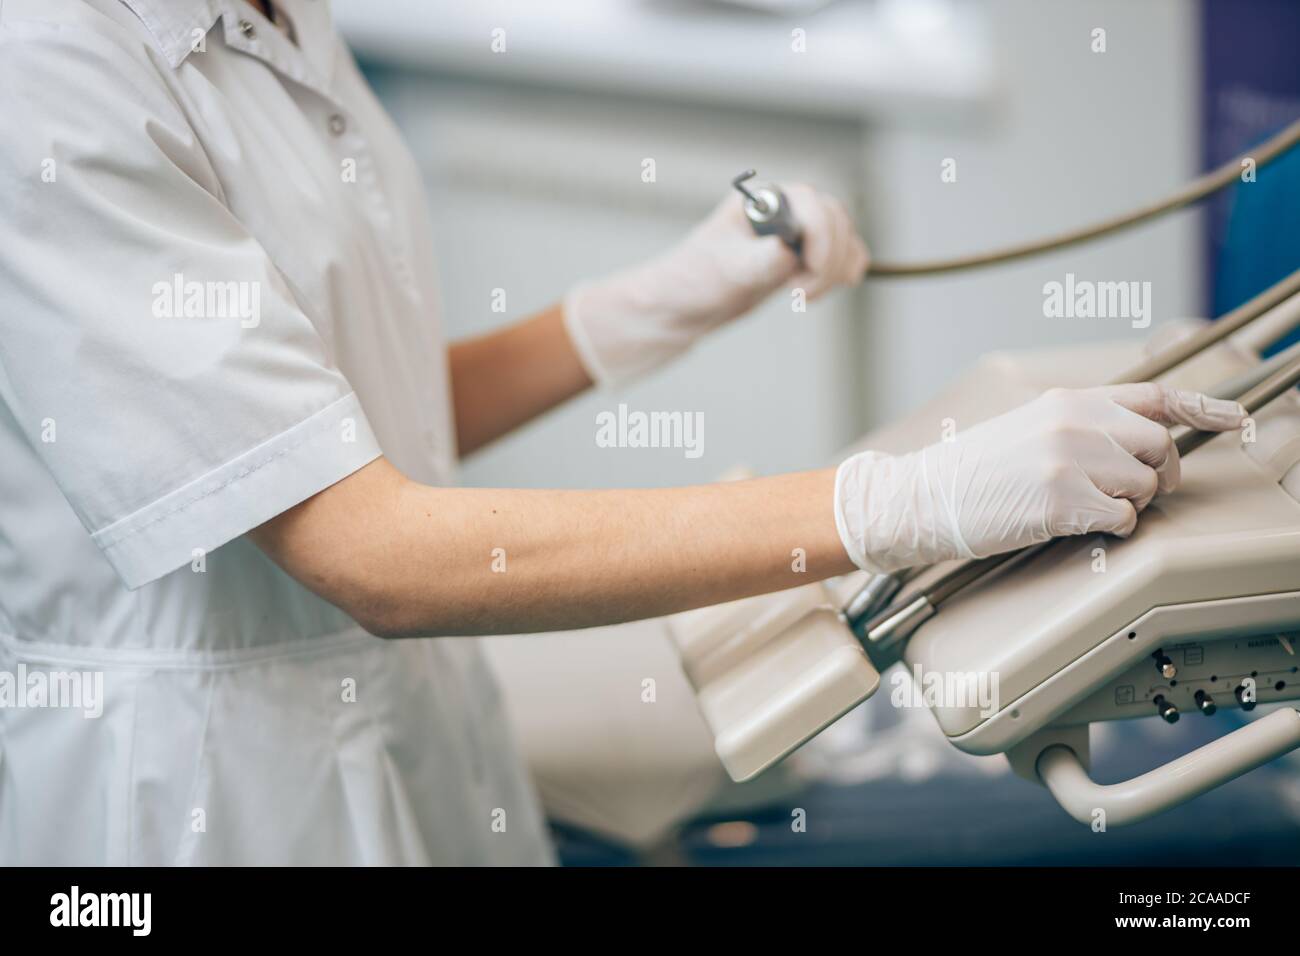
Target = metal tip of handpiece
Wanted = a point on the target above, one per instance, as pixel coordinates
(871, 597)
(899, 625)
(739, 183)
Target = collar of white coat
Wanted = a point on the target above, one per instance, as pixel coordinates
(178, 25)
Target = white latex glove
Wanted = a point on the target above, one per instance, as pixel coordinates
(1069, 462)
(634, 321)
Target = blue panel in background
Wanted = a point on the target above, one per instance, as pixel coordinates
(1252, 89)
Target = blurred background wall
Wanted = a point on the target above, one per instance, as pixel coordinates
(1251, 82)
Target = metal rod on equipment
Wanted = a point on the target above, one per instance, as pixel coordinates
(1253, 399)
(1213, 333)
(1240, 384)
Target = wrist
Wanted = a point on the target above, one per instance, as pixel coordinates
(579, 338)
(623, 326)
(853, 502)
(896, 511)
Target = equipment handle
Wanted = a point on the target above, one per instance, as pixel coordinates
(1176, 782)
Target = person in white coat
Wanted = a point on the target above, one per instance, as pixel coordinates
(229, 425)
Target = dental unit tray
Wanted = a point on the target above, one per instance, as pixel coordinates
(1197, 612)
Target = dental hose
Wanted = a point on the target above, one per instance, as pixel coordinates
(1193, 192)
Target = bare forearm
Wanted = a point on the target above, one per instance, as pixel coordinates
(435, 561)
(508, 377)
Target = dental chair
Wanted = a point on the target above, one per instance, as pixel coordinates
(1196, 613)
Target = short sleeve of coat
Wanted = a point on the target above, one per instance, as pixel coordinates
(149, 349)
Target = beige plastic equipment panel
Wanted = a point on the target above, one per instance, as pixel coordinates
(770, 672)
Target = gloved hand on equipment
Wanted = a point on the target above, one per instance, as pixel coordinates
(635, 320)
(1069, 462)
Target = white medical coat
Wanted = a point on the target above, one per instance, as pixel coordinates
(216, 299)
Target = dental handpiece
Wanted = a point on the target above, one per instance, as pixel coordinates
(768, 211)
